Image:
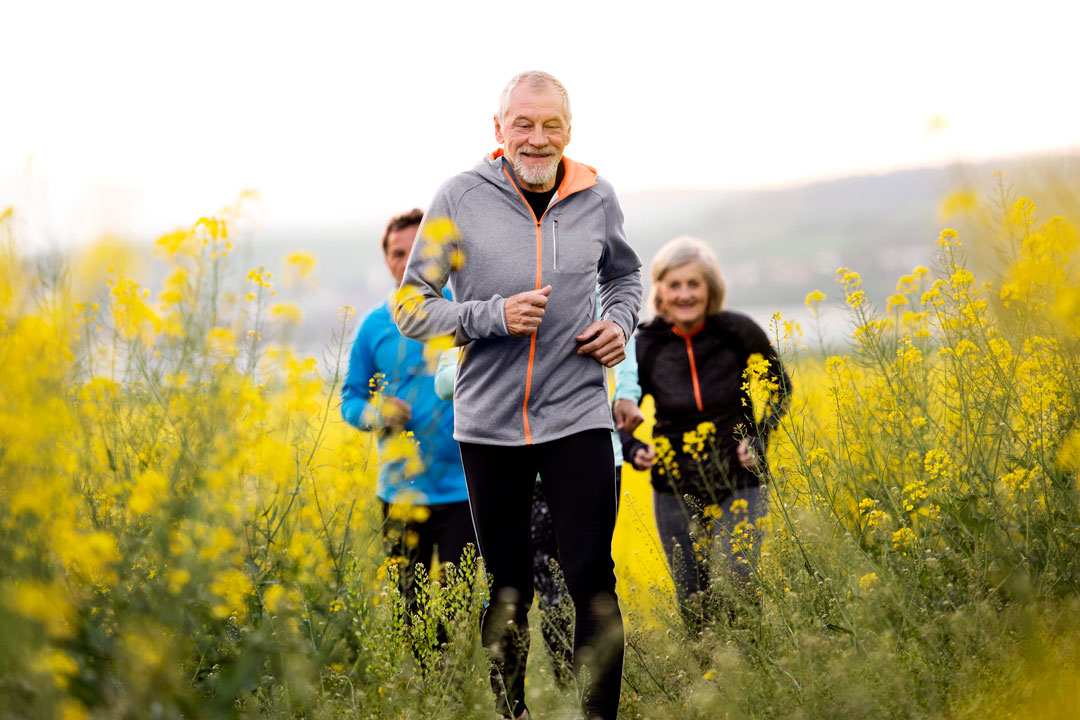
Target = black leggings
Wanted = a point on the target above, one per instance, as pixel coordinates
(415, 536)
(556, 609)
(578, 480)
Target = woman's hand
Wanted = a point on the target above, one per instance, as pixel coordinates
(627, 415)
(748, 456)
(644, 457)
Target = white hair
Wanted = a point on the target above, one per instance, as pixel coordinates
(682, 251)
(535, 79)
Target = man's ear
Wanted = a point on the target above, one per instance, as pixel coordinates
(498, 131)
(567, 136)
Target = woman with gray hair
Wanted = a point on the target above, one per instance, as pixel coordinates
(707, 474)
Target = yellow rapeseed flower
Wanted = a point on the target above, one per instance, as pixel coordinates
(56, 664)
(904, 540)
(440, 230)
(71, 709)
(286, 312)
(232, 587)
(176, 242)
(273, 598)
(260, 277)
(46, 603)
(814, 299)
(299, 266)
(148, 491)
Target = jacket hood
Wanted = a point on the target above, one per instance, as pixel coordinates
(495, 168)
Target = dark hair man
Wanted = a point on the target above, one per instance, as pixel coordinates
(425, 504)
(533, 233)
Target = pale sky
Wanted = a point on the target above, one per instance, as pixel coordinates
(136, 117)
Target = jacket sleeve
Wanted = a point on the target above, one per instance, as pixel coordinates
(421, 312)
(630, 445)
(626, 375)
(627, 385)
(445, 372)
(620, 271)
(356, 393)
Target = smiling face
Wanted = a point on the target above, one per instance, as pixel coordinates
(398, 246)
(533, 133)
(683, 296)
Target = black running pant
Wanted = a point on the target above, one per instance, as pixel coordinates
(578, 480)
(446, 526)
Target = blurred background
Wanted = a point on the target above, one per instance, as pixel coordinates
(794, 137)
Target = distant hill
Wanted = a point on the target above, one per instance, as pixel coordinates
(774, 245)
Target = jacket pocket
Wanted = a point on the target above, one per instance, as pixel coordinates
(577, 245)
(555, 243)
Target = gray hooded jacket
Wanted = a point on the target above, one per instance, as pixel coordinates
(482, 237)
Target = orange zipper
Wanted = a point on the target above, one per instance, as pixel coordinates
(693, 363)
(539, 280)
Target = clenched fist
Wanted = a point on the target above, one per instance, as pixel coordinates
(395, 412)
(525, 311)
(627, 415)
(604, 340)
(644, 457)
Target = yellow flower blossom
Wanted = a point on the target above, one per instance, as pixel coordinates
(46, 603)
(814, 299)
(962, 201)
(260, 277)
(72, 709)
(56, 664)
(288, 313)
(440, 230)
(232, 587)
(299, 266)
(904, 540)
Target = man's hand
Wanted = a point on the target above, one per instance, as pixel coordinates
(524, 311)
(644, 457)
(395, 412)
(748, 456)
(604, 340)
(627, 415)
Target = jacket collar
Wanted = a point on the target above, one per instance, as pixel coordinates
(578, 176)
(687, 335)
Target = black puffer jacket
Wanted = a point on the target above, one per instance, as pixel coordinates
(698, 378)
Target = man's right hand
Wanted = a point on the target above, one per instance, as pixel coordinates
(524, 311)
(395, 412)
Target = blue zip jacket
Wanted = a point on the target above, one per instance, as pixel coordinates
(380, 348)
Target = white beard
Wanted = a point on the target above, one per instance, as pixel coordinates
(537, 175)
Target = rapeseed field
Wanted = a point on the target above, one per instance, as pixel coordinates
(189, 530)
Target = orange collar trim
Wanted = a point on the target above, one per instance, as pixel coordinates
(578, 176)
(686, 336)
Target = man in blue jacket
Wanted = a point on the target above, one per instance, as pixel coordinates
(389, 390)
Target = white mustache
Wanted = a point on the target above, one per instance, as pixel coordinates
(532, 150)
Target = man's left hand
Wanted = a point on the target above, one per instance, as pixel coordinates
(604, 340)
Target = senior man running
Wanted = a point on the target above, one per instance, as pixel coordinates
(533, 233)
